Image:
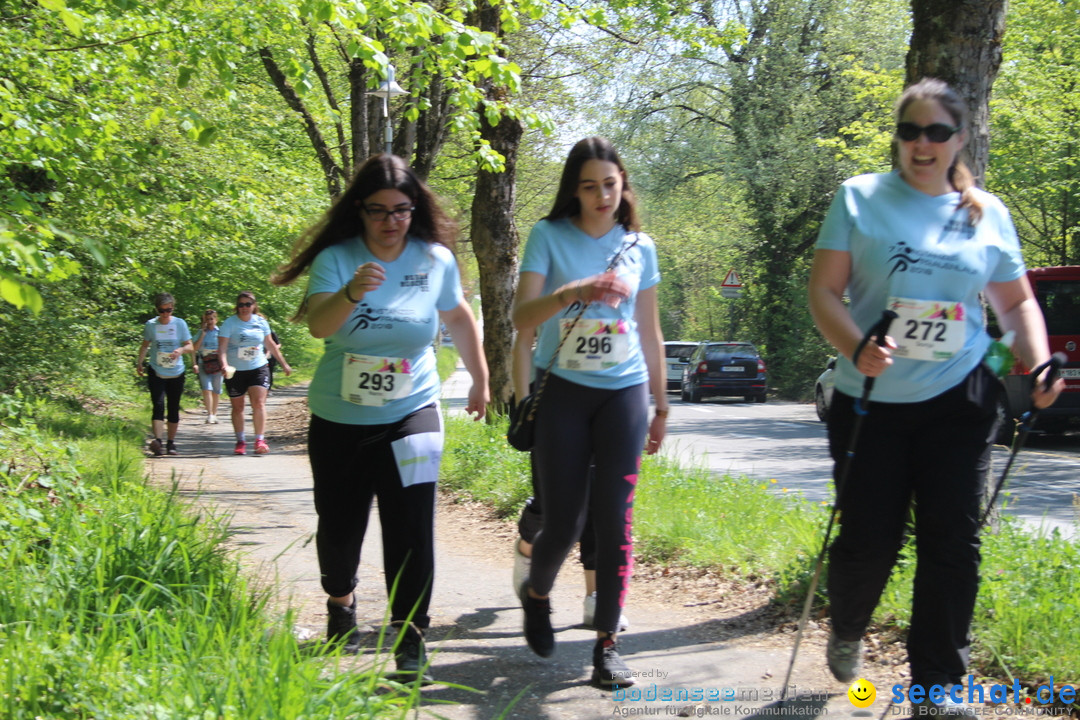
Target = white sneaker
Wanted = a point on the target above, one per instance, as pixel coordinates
(590, 615)
(209, 419)
(213, 420)
(522, 564)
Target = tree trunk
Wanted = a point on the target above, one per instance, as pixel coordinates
(431, 126)
(358, 113)
(494, 238)
(959, 41)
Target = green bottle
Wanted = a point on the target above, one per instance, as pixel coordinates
(999, 356)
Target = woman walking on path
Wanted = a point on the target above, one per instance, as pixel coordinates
(244, 342)
(208, 363)
(382, 274)
(171, 340)
(588, 286)
(923, 242)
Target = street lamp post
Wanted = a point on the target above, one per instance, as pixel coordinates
(387, 89)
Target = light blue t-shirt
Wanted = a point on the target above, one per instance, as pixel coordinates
(561, 252)
(246, 349)
(163, 339)
(920, 249)
(395, 324)
(210, 340)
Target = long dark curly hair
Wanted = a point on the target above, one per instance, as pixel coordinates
(342, 222)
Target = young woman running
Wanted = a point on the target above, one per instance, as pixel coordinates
(924, 242)
(382, 274)
(587, 253)
(244, 342)
(171, 340)
(206, 352)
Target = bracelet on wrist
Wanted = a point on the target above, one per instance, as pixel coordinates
(662, 413)
(345, 290)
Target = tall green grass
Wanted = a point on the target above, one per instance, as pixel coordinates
(1028, 611)
(116, 601)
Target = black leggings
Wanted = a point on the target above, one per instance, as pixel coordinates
(532, 519)
(937, 452)
(162, 389)
(352, 464)
(574, 426)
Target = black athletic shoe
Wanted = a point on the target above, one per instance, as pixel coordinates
(538, 632)
(410, 658)
(157, 448)
(341, 626)
(608, 668)
(171, 448)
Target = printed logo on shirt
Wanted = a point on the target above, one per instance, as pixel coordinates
(905, 258)
(369, 318)
(420, 280)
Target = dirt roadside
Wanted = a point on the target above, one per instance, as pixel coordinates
(692, 635)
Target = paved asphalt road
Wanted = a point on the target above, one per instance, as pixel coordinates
(786, 442)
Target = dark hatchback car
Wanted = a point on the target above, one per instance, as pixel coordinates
(728, 369)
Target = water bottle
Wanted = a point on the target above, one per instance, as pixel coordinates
(999, 356)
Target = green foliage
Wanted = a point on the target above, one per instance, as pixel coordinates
(1035, 123)
(478, 463)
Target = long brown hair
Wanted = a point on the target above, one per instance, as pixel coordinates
(342, 222)
(566, 203)
(960, 176)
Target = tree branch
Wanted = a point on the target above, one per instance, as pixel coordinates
(331, 171)
(107, 44)
(320, 71)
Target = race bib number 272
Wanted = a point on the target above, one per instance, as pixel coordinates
(931, 330)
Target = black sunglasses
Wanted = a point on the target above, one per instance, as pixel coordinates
(165, 310)
(936, 133)
(248, 304)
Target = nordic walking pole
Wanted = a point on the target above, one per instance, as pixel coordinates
(1027, 421)
(877, 333)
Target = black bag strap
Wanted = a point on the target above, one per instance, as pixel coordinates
(570, 328)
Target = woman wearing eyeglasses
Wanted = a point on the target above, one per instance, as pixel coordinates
(924, 242)
(244, 342)
(208, 358)
(171, 340)
(382, 275)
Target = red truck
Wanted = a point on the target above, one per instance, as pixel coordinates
(1058, 292)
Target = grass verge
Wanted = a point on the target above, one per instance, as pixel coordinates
(116, 601)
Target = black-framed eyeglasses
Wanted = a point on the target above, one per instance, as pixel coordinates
(247, 304)
(379, 214)
(935, 133)
(165, 311)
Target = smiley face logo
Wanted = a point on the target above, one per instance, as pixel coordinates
(862, 693)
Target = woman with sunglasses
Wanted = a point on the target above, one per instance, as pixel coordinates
(244, 342)
(208, 363)
(924, 242)
(382, 275)
(171, 340)
(588, 288)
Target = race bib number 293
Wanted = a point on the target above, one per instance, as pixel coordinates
(374, 380)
